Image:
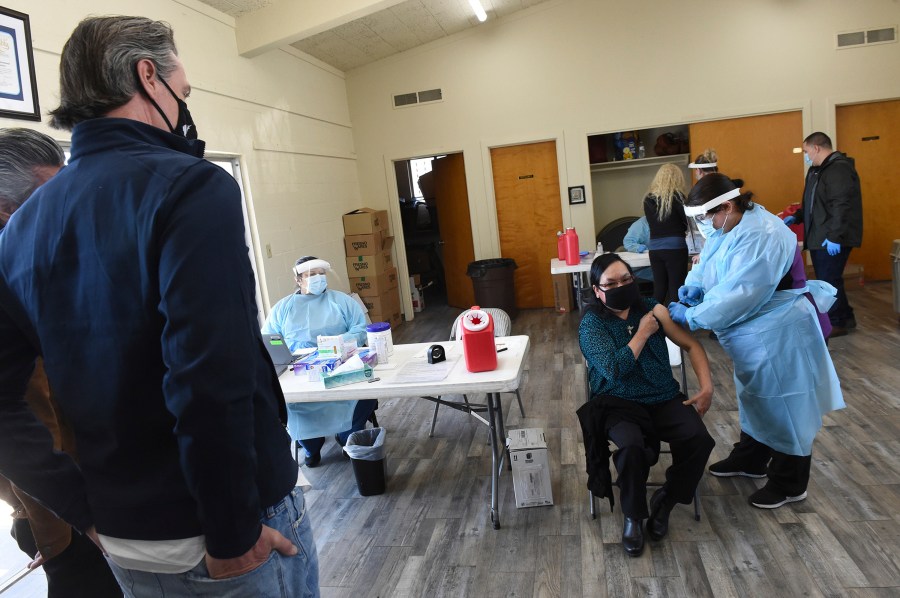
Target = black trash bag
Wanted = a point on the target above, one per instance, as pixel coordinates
(366, 445)
(479, 268)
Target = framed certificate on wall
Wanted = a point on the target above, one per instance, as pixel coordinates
(18, 87)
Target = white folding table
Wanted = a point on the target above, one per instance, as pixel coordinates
(506, 378)
(557, 266)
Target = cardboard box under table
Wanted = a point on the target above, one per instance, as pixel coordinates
(530, 467)
(564, 301)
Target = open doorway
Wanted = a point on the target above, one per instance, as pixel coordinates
(437, 229)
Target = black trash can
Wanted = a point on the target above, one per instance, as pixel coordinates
(494, 283)
(366, 451)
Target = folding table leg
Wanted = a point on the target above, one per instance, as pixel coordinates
(495, 457)
(502, 430)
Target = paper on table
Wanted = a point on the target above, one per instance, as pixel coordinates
(422, 371)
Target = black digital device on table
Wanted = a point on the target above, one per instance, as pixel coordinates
(436, 354)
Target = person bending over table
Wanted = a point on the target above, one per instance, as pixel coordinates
(636, 403)
(301, 317)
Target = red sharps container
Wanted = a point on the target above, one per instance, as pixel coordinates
(477, 333)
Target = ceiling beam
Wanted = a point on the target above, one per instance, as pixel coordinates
(287, 21)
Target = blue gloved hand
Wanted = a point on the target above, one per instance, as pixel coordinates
(833, 248)
(690, 295)
(641, 248)
(790, 220)
(678, 313)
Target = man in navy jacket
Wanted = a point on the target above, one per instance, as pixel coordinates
(128, 272)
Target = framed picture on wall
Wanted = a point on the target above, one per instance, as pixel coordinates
(18, 87)
(576, 195)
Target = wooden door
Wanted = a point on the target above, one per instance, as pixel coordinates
(452, 200)
(870, 134)
(526, 187)
(758, 149)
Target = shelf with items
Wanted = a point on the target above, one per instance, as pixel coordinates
(641, 162)
(669, 142)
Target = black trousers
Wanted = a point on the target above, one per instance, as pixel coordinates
(79, 571)
(788, 474)
(669, 267)
(689, 441)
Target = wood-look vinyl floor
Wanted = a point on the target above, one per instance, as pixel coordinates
(430, 533)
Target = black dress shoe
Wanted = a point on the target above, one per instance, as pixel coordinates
(313, 460)
(633, 537)
(660, 508)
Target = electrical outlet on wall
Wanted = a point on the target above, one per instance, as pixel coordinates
(268, 250)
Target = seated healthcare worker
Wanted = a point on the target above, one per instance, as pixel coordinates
(635, 402)
(636, 240)
(300, 318)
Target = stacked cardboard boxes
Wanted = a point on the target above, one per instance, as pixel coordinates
(373, 277)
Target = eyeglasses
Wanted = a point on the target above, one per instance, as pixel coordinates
(627, 279)
(701, 218)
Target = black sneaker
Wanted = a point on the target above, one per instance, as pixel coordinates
(766, 498)
(729, 468)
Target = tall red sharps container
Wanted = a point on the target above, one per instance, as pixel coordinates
(477, 332)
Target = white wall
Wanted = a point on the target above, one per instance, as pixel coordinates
(284, 114)
(568, 68)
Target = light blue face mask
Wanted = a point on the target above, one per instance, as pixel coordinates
(706, 228)
(316, 284)
(807, 159)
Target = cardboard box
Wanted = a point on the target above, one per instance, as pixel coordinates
(371, 244)
(359, 266)
(391, 312)
(369, 286)
(562, 293)
(365, 221)
(530, 467)
(382, 304)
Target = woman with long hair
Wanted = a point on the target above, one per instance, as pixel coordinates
(664, 209)
(635, 402)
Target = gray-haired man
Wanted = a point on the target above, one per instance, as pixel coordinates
(129, 273)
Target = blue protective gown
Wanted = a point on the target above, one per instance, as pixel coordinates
(783, 373)
(300, 319)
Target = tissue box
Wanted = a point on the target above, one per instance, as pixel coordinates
(530, 467)
(332, 380)
(317, 365)
(368, 356)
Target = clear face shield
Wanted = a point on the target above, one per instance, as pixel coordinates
(311, 276)
(702, 216)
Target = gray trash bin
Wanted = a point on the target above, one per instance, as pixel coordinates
(895, 256)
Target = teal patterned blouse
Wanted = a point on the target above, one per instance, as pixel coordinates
(612, 368)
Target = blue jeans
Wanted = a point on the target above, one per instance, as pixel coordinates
(830, 268)
(280, 576)
(361, 413)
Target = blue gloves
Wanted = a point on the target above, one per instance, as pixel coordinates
(641, 248)
(690, 295)
(678, 312)
(833, 248)
(790, 220)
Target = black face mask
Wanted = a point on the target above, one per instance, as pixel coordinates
(185, 126)
(622, 297)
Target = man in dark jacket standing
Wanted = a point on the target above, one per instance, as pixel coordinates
(832, 217)
(128, 272)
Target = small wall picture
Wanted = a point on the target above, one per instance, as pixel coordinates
(576, 195)
(18, 86)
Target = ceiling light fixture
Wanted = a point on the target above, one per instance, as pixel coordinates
(479, 10)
